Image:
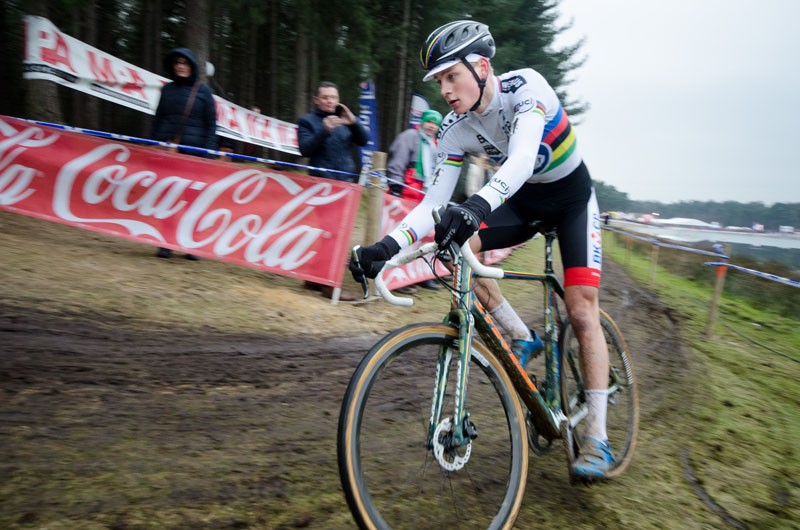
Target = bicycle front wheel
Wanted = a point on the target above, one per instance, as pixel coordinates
(390, 476)
(622, 419)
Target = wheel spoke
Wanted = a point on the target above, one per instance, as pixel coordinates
(622, 422)
(392, 478)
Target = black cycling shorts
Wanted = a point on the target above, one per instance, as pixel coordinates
(569, 205)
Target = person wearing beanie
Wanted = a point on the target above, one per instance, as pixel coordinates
(409, 169)
(412, 156)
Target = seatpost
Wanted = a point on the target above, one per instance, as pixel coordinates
(549, 236)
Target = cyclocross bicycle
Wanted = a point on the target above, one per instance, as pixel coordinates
(433, 427)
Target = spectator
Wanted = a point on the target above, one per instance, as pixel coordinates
(412, 156)
(186, 114)
(327, 136)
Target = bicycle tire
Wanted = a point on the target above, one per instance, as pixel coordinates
(622, 422)
(390, 477)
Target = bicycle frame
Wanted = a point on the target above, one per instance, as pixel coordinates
(545, 409)
(383, 408)
(469, 316)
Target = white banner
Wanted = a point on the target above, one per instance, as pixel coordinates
(55, 56)
(419, 104)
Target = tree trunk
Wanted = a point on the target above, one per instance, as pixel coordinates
(403, 84)
(89, 115)
(220, 56)
(12, 87)
(272, 83)
(151, 50)
(41, 97)
(301, 95)
(197, 33)
(248, 93)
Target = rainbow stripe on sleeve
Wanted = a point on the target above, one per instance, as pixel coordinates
(540, 109)
(558, 134)
(454, 160)
(410, 235)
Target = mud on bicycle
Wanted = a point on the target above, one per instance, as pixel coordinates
(448, 413)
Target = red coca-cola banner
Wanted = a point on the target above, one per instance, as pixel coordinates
(280, 222)
(394, 210)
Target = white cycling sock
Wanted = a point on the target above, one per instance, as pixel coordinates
(509, 321)
(597, 400)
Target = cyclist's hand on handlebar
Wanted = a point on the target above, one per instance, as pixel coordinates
(372, 258)
(460, 222)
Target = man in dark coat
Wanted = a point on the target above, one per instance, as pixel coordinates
(327, 134)
(177, 121)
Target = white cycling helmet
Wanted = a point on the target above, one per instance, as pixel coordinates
(459, 41)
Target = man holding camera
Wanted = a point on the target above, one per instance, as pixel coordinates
(327, 135)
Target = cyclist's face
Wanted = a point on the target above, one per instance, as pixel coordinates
(458, 86)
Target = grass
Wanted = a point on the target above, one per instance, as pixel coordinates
(735, 414)
(746, 455)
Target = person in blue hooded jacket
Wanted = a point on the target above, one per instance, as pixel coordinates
(178, 121)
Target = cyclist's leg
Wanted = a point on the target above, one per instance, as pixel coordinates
(584, 316)
(622, 418)
(578, 227)
(504, 228)
(486, 289)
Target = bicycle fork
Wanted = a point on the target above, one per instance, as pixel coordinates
(446, 435)
(463, 430)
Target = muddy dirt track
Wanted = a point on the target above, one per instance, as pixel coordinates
(108, 422)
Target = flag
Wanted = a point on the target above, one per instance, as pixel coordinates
(368, 116)
(419, 104)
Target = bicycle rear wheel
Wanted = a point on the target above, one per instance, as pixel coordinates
(622, 422)
(390, 476)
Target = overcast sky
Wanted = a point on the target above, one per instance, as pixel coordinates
(690, 99)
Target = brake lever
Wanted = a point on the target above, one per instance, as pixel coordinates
(444, 254)
(364, 282)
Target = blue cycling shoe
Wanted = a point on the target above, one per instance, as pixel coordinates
(595, 459)
(527, 349)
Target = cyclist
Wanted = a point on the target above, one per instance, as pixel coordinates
(505, 116)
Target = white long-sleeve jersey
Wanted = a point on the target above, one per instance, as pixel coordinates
(524, 131)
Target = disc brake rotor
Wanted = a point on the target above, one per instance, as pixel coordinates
(446, 454)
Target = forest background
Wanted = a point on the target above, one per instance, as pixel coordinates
(273, 53)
